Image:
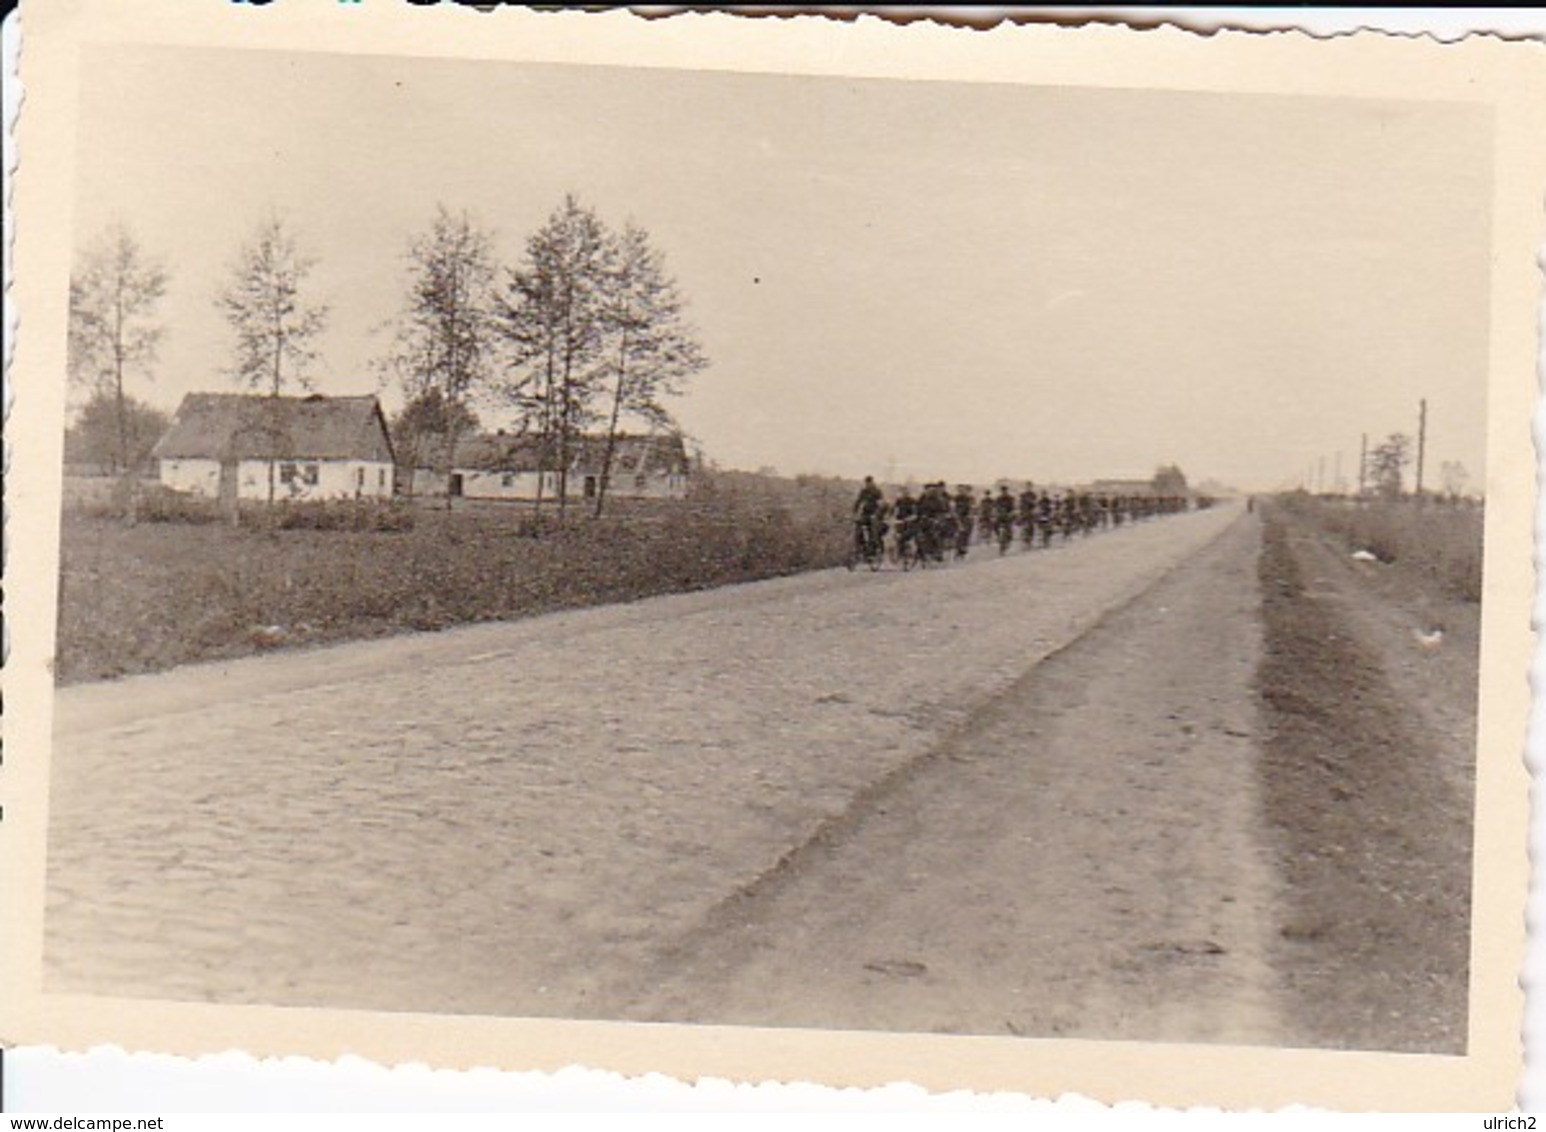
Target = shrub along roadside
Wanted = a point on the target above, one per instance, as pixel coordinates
(148, 596)
(152, 503)
(1439, 543)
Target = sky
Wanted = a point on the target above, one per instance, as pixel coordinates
(917, 280)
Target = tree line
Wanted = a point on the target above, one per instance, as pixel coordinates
(1384, 471)
(586, 331)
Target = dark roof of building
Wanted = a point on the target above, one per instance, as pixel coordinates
(631, 455)
(240, 426)
(1133, 486)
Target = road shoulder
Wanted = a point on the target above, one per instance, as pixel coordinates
(1370, 823)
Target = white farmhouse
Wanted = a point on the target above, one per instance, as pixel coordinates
(231, 446)
(500, 466)
(642, 467)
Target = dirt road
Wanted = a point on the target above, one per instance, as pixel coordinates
(1081, 859)
(1019, 795)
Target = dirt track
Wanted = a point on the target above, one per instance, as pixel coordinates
(1367, 771)
(1023, 795)
(1081, 860)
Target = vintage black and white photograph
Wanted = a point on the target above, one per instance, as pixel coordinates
(771, 549)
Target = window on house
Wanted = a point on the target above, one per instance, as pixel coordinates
(359, 477)
(507, 479)
(380, 477)
(287, 473)
(310, 474)
(640, 481)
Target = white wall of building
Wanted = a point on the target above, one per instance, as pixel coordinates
(299, 480)
(304, 480)
(477, 484)
(197, 477)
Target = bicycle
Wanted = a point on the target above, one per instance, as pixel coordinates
(1006, 534)
(869, 543)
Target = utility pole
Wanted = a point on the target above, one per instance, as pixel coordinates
(1363, 464)
(1336, 477)
(1422, 441)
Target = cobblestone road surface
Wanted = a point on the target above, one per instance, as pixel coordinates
(506, 819)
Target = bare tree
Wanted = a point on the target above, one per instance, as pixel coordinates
(1387, 461)
(1453, 475)
(274, 324)
(443, 355)
(648, 351)
(552, 319)
(113, 331)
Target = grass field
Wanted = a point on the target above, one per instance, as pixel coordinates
(1438, 544)
(155, 595)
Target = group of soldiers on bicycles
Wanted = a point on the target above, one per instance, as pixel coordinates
(936, 523)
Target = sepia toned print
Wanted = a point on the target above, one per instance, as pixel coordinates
(962, 554)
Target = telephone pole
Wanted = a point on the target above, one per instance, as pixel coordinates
(1363, 464)
(1422, 441)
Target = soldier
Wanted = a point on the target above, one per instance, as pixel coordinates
(869, 501)
(985, 516)
(933, 517)
(964, 503)
(1027, 516)
(905, 514)
(1004, 517)
(1045, 517)
(868, 521)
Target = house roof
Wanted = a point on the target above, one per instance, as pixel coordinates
(1133, 486)
(631, 455)
(238, 426)
(491, 452)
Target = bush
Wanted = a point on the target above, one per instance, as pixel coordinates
(142, 598)
(1440, 543)
(157, 504)
(329, 515)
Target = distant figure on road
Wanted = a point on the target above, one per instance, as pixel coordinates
(1004, 517)
(934, 517)
(1026, 515)
(869, 523)
(905, 513)
(964, 505)
(867, 506)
